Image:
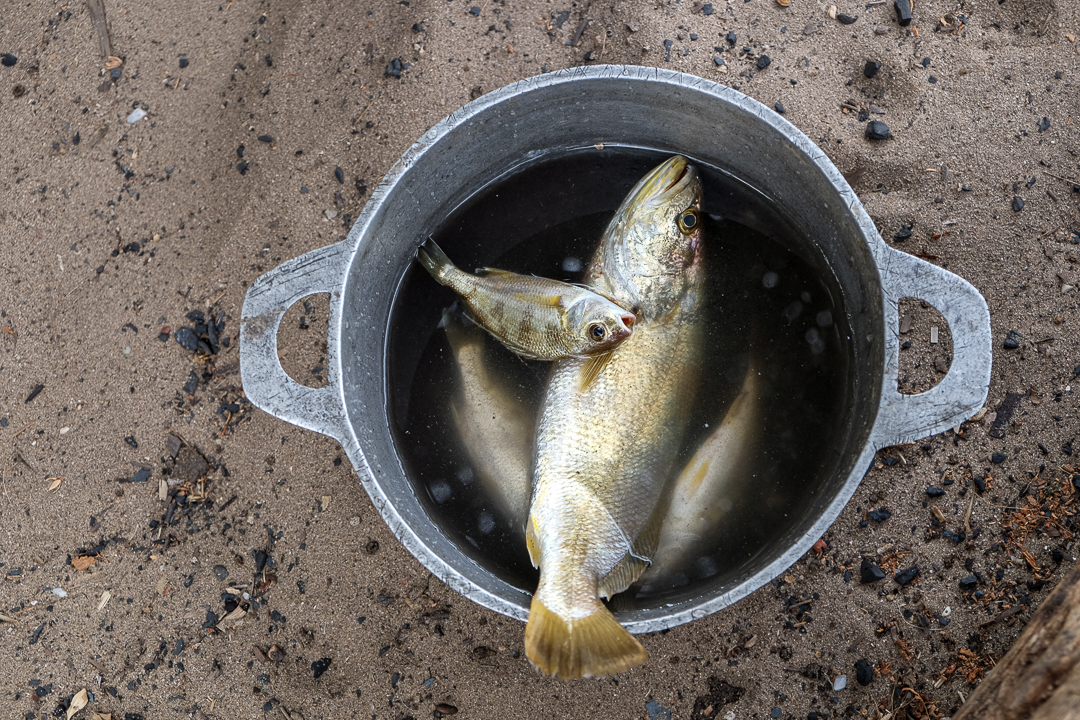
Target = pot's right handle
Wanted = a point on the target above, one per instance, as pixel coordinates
(963, 390)
(264, 380)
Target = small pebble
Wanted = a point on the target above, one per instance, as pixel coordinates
(763, 62)
(846, 19)
(864, 672)
(731, 37)
(707, 9)
(718, 61)
(877, 130)
(220, 572)
(997, 458)
(8, 60)
(871, 68)
(841, 680)
(266, 138)
(183, 62)
(1012, 340)
(932, 80)
(474, 10)
(779, 106)
(1017, 203)
(339, 175)
(136, 115)
(769, 280)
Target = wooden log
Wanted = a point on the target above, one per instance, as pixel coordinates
(1039, 678)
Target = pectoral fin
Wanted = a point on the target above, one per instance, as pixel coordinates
(592, 368)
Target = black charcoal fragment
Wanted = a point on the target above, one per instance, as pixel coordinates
(779, 107)
(864, 672)
(997, 458)
(903, 12)
(869, 572)
(903, 577)
(1012, 340)
(1017, 203)
(877, 130)
(187, 339)
(871, 68)
(763, 62)
(846, 19)
(183, 62)
(880, 515)
(934, 491)
(320, 666)
(8, 60)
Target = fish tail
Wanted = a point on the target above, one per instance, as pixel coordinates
(435, 261)
(593, 646)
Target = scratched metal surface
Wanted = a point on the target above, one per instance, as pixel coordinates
(622, 105)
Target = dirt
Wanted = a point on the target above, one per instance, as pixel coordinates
(140, 462)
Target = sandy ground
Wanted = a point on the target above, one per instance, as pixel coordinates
(113, 231)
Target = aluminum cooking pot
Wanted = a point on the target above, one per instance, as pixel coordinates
(617, 105)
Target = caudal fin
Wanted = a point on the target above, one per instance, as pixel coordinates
(434, 260)
(595, 646)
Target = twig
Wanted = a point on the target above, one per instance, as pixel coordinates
(24, 428)
(97, 13)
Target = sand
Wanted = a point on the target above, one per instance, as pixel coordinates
(111, 231)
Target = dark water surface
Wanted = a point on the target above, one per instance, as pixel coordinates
(770, 295)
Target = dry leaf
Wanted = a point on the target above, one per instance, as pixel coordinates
(77, 703)
(163, 490)
(832, 11)
(783, 3)
(105, 597)
(162, 583)
(83, 562)
(102, 716)
(326, 502)
(55, 482)
(5, 618)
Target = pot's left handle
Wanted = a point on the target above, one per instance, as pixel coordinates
(264, 380)
(964, 388)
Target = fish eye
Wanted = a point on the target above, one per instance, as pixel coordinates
(688, 220)
(597, 331)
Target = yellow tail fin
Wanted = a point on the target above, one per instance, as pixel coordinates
(595, 646)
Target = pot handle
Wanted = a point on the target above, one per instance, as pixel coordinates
(963, 390)
(264, 380)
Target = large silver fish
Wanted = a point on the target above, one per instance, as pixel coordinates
(537, 318)
(610, 430)
(496, 429)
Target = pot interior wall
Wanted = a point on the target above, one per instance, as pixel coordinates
(497, 134)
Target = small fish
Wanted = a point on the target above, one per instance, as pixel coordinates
(605, 449)
(537, 318)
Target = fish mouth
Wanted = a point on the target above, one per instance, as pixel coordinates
(666, 180)
(628, 319)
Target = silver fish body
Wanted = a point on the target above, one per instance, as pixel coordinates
(608, 435)
(537, 318)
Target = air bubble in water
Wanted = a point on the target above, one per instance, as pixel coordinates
(465, 476)
(770, 280)
(813, 338)
(440, 491)
(572, 264)
(824, 319)
(485, 523)
(793, 311)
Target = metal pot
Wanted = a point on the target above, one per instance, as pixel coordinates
(625, 105)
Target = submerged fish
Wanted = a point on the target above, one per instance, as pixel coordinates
(537, 318)
(496, 429)
(610, 430)
(711, 485)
